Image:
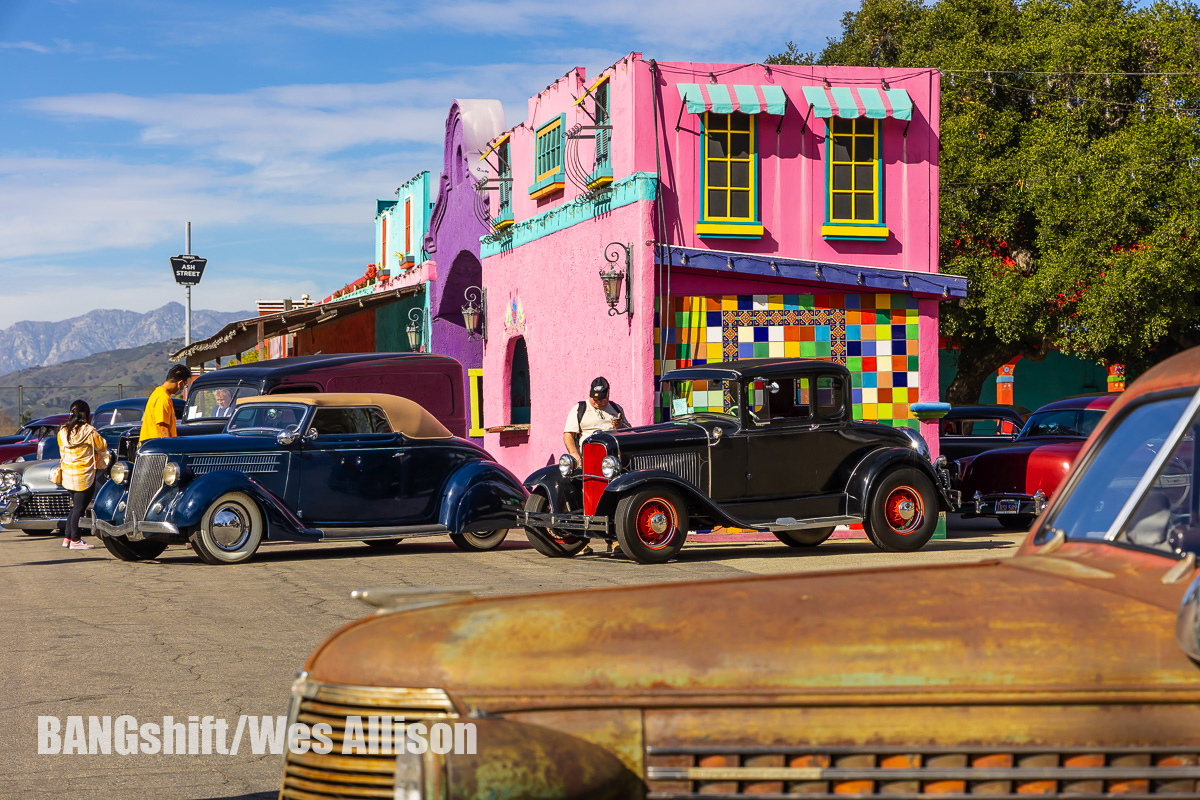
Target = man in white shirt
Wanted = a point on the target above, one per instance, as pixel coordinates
(596, 413)
(224, 403)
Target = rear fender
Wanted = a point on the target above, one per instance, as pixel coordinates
(873, 466)
(195, 498)
(481, 496)
(698, 503)
(562, 493)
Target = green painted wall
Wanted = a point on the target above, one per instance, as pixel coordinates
(1035, 383)
(391, 324)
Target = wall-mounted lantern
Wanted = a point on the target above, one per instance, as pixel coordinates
(613, 278)
(414, 329)
(473, 312)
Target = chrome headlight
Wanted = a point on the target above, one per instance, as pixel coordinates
(119, 472)
(609, 467)
(8, 480)
(105, 459)
(171, 473)
(566, 464)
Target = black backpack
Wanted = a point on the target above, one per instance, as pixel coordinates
(582, 409)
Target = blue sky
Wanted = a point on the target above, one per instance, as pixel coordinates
(273, 128)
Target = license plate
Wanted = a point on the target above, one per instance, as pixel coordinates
(1008, 506)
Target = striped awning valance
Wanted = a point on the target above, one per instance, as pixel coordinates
(850, 102)
(725, 99)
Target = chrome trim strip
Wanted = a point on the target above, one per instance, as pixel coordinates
(157, 527)
(889, 774)
(1160, 458)
(382, 532)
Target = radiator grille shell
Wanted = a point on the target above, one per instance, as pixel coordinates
(144, 484)
(45, 505)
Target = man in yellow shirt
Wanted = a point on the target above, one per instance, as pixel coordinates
(159, 418)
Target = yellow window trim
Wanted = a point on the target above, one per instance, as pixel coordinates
(600, 180)
(502, 224)
(857, 231)
(548, 189)
(591, 89)
(729, 228)
(476, 403)
(877, 169)
(495, 146)
(754, 178)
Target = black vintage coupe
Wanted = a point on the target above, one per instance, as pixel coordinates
(307, 468)
(765, 444)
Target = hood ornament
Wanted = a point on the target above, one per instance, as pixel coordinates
(389, 600)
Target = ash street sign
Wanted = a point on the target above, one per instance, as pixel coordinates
(188, 269)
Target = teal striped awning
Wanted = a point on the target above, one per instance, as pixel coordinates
(850, 102)
(725, 99)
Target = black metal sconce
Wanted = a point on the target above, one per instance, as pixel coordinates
(414, 329)
(614, 277)
(473, 312)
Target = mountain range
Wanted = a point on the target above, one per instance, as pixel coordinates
(40, 344)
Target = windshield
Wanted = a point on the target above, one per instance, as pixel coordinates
(685, 398)
(261, 416)
(1063, 422)
(1164, 516)
(216, 402)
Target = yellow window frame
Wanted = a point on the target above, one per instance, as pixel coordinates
(475, 386)
(556, 125)
(728, 160)
(876, 164)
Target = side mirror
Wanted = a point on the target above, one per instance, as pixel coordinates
(717, 434)
(774, 387)
(285, 438)
(311, 435)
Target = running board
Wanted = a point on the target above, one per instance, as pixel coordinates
(364, 534)
(793, 524)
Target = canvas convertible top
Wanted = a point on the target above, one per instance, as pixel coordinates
(403, 415)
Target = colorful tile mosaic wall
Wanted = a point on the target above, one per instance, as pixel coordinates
(874, 335)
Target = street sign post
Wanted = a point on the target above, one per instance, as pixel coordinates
(188, 269)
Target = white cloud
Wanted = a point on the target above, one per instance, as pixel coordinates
(31, 46)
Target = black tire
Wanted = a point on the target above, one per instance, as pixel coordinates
(1016, 522)
(230, 530)
(381, 544)
(886, 523)
(126, 550)
(806, 538)
(637, 524)
(550, 543)
(479, 542)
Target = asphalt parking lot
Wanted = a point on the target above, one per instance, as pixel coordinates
(89, 635)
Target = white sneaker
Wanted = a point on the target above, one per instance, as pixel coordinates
(66, 541)
(81, 545)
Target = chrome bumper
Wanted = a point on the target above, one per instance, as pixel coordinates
(1005, 505)
(9, 501)
(583, 523)
(134, 531)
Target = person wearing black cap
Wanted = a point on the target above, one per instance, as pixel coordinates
(597, 413)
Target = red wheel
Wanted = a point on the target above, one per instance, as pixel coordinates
(652, 525)
(655, 523)
(902, 510)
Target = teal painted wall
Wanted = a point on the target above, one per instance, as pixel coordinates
(420, 190)
(391, 324)
(1035, 383)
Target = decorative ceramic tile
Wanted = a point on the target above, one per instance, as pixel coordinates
(874, 335)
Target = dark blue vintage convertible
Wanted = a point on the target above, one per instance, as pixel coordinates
(307, 468)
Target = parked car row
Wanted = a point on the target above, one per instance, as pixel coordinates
(1069, 670)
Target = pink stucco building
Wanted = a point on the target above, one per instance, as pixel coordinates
(778, 211)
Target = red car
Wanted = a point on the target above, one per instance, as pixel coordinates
(1014, 483)
(39, 429)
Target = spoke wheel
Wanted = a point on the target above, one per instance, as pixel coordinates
(230, 530)
(806, 538)
(652, 525)
(902, 512)
(547, 541)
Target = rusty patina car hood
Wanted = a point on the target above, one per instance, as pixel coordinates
(994, 628)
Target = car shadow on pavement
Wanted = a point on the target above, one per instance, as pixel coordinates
(727, 551)
(255, 796)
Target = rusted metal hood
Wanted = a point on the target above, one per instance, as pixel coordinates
(995, 628)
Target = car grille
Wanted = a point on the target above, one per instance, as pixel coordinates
(593, 481)
(685, 465)
(814, 772)
(248, 464)
(336, 775)
(45, 505)
(144, 484)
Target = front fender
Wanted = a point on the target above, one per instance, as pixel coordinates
(877, 462)
(107, 499)
(195, 499)
(562, 493)
(698, 502)
(481, 496)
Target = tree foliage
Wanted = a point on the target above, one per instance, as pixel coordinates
(1070, 196)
